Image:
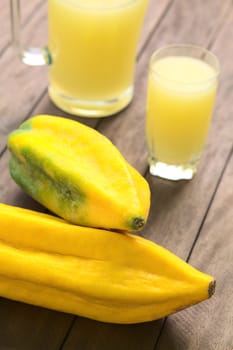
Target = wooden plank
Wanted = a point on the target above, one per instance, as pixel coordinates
(21, 86)
(209, 325)
(27, 10)
(153, 17)
(13, 88)
(25, 327)
(111, 336)
(175, 228)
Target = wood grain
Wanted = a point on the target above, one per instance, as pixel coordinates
(111, 336)
(193, 217)
(209, 325)
(21, 86)
(27, 10)
(27, 327)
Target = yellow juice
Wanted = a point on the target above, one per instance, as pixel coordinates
(93, 46)
(181, 95)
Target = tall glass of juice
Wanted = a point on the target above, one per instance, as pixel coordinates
(181, 94)
(93, 47)
(91, 53)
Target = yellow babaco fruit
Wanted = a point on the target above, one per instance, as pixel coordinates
(78, 174)
(99, 274)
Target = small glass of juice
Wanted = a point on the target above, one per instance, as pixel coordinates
(182, 88)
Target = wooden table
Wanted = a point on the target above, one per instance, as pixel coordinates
(193, 219)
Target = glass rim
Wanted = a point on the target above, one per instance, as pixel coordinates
(187, 46)
(123, 3)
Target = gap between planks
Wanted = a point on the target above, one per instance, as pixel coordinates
(200, 229)
(213, 40)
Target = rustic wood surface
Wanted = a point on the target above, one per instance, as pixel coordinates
(193, 219)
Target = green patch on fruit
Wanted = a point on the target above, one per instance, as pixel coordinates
(50, 186)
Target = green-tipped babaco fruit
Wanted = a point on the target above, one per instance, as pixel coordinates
(77, 173)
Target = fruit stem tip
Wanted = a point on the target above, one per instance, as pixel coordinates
(138, 223)
(212, 287)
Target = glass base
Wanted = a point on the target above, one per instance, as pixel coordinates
(91, 109)
(173, 172)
